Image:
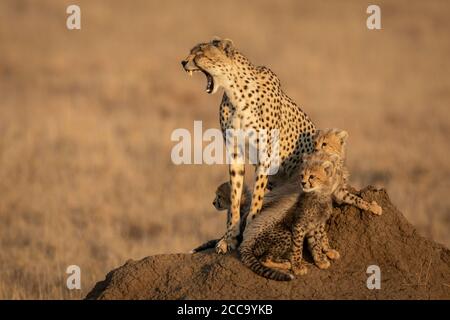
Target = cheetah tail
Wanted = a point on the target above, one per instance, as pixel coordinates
(250, 260)
(207, 245)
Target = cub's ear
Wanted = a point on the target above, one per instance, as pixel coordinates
(306, 156)
(224, 187)
(343, 135)
(317, 134)
(328, 167)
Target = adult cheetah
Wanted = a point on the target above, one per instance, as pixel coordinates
(252, 101)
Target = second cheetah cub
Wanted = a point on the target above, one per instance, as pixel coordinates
(274, 240)
(222, 201)
(333, 142)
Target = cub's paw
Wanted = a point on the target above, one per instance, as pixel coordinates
(333, 254)
(299, 269)
(324, 264)
(375, 208)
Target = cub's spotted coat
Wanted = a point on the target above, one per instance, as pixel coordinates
(274, 240)
(222, 201)
(333, 142)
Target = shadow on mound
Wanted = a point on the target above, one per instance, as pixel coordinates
(412, 267)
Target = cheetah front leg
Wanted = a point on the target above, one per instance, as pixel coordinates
(298, 236)
(320, 247)
(229, 240)
(326, 248)
(314, 240)
(343, 195)
(259, 190)
(266, 156)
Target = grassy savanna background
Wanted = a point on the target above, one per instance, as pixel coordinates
(86, 117)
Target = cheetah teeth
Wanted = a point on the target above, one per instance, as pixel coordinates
(191, 72)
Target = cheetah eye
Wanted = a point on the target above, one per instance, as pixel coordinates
(324, 144)
(312, 176)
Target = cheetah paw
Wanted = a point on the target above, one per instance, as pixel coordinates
(333, 254)
(324, 264)
(300, 270)
(375, 208)
(223, 246)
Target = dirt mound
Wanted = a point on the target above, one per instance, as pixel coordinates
(412, 267)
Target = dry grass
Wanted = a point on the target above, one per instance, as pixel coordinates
(86, 117)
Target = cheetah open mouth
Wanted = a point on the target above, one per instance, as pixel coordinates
(209, 82)
(209, 79)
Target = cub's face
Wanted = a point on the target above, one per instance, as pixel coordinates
(213, 59)
(222, 199)
(331, 141)
(316, 176)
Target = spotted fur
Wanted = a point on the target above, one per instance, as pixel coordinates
(333, 142)
(274, 240)
(253, 100)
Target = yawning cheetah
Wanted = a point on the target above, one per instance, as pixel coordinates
(253, 101)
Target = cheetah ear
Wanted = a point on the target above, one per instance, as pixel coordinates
(328, 167)
(227, 46)
(343, 135)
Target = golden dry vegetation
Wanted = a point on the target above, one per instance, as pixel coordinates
(86, 117)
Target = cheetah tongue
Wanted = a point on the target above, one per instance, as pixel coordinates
(210, 83)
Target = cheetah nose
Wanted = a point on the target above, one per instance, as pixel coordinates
(184, 63)
(304, 183)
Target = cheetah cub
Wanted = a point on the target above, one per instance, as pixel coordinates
(333, 142)
(273, 242)
(314, 209)
(222, 201)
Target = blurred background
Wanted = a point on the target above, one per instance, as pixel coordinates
(86, 117)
